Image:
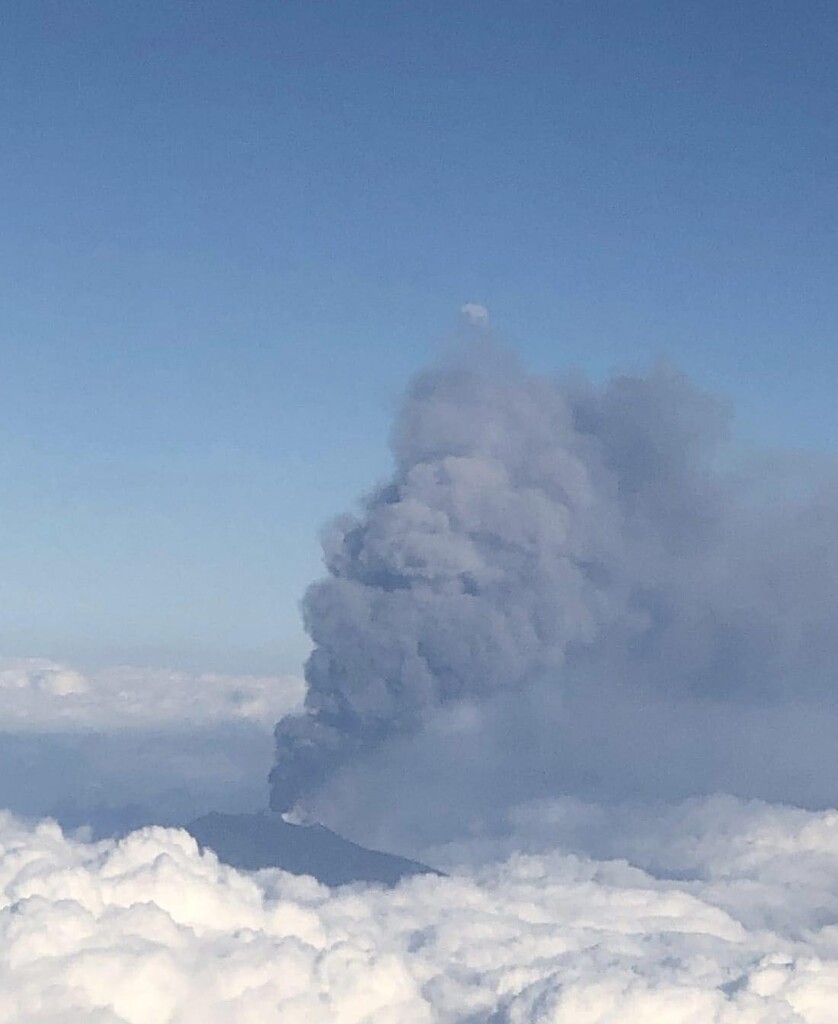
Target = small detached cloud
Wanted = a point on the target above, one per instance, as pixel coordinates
(475, 314)
(148, 929)
(37, 694)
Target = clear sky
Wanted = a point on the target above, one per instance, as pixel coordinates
(229, 231)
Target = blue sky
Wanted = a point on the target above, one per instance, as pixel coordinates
(230, 231)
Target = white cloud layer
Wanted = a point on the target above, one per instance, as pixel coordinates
(43, 695)
(148, 931)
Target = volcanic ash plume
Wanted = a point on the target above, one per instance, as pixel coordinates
(543, 537)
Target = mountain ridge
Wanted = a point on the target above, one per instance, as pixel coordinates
(264, 839)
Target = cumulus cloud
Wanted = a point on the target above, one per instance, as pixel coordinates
(581, 584)
(149, 930)
(475, 314)
(43, 695)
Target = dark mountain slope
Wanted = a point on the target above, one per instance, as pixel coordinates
(266, 840)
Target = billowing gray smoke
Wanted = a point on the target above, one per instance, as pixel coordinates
(546, 537)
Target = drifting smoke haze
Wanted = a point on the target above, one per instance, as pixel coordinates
(567, 588)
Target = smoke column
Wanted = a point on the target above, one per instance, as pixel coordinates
(557, 534)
